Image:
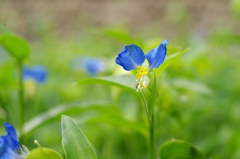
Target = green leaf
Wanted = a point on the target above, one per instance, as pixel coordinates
(74, 141)
(16, 46)
(169, 59)
(43, 153)
(178, 149)
(127, 81)
(55, 113)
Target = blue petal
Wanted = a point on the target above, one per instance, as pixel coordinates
(5, 150)
(12, 138)
(156, 56)
(131, 57)
(93, 66)
(9, 144)
(27, 73)
(39, 74)
(3, 145)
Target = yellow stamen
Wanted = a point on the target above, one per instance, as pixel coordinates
(141, 71)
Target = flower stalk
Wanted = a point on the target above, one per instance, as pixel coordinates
(151, 136)
(151, 125)
(146, 106)
(20, 96)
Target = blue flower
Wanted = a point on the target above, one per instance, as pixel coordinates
(92, 66)
(37, 73)
(9, 144)
(132, 57)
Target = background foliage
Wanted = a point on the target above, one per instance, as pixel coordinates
(199, 92)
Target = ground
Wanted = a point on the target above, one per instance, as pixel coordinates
(168, 17)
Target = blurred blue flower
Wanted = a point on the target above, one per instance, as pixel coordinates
(132, 57)
(9, 144)
(37, 73)
(92, 66)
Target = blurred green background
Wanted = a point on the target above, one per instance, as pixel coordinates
(199, 99)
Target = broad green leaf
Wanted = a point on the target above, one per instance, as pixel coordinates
(16, 46)
(169, 59)
(127, 81)
(74, 142)
(55, 113)
(178, 149)
(43, 153)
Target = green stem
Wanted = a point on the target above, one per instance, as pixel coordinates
(146, 106)
(151, 134)
(21, 97)
(151, 128)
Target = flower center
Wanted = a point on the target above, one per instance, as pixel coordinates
(142, 78)
(141, 71)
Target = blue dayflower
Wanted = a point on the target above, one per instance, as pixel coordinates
(92, 66)
(9, 144)
(132, 57)
(36, 73)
